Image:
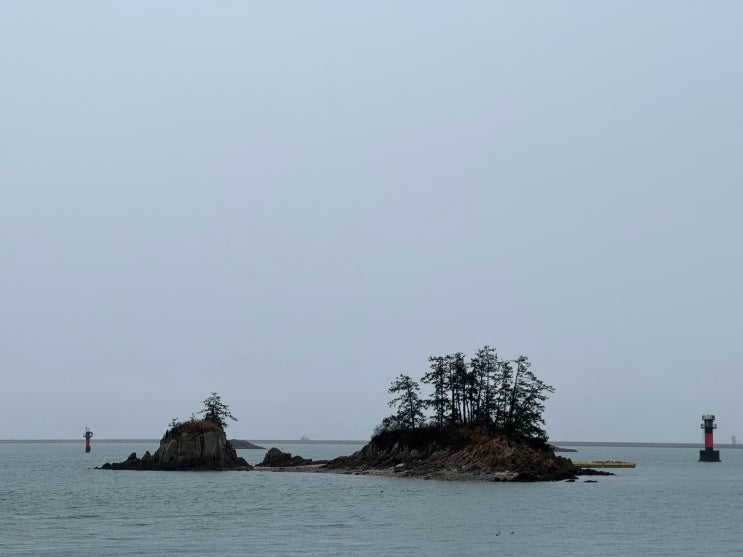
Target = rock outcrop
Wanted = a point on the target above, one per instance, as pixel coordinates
(277, 459)
(455, 455)
(192, 445)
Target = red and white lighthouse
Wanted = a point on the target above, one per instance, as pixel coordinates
(709, 454)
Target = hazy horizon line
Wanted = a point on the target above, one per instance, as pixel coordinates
(667, 444)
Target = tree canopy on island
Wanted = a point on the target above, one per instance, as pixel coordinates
(214, 411)
(498, 396)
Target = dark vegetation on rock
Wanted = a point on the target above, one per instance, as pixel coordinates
(483, 393)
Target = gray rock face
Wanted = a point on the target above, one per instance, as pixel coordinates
(193, 445)
(209, 449)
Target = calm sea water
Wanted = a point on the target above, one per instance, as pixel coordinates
(52, 502)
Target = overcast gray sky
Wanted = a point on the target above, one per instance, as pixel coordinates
(293, 202)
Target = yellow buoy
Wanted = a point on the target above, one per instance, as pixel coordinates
(605, 464)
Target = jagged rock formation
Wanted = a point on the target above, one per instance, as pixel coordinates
(455, 455)
(192, 445)
(277, 459)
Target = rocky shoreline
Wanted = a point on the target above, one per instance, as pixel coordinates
(449, 455)
(398, 471)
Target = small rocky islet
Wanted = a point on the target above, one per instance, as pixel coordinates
(444, 454)
(195, 445)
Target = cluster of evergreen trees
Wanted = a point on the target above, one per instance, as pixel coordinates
(499, 396)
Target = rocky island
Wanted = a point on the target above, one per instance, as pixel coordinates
(192, 445)
(440, 454)
(457, 454)
(486, 425)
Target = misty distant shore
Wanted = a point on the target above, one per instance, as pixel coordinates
(637, 444)
(362, 442)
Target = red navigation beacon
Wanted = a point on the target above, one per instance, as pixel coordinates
(708, 454)
(88, 434)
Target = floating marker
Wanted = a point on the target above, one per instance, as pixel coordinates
(88, 434)
(708, 454)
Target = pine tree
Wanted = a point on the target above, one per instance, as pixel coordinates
(526, 402)
(216, 411)
(484, 367)
(437, 378)
(502, 394)
(408, 402)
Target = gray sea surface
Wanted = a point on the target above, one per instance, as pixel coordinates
(54, 502)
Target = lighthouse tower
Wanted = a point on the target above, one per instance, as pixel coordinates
(708, 454)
